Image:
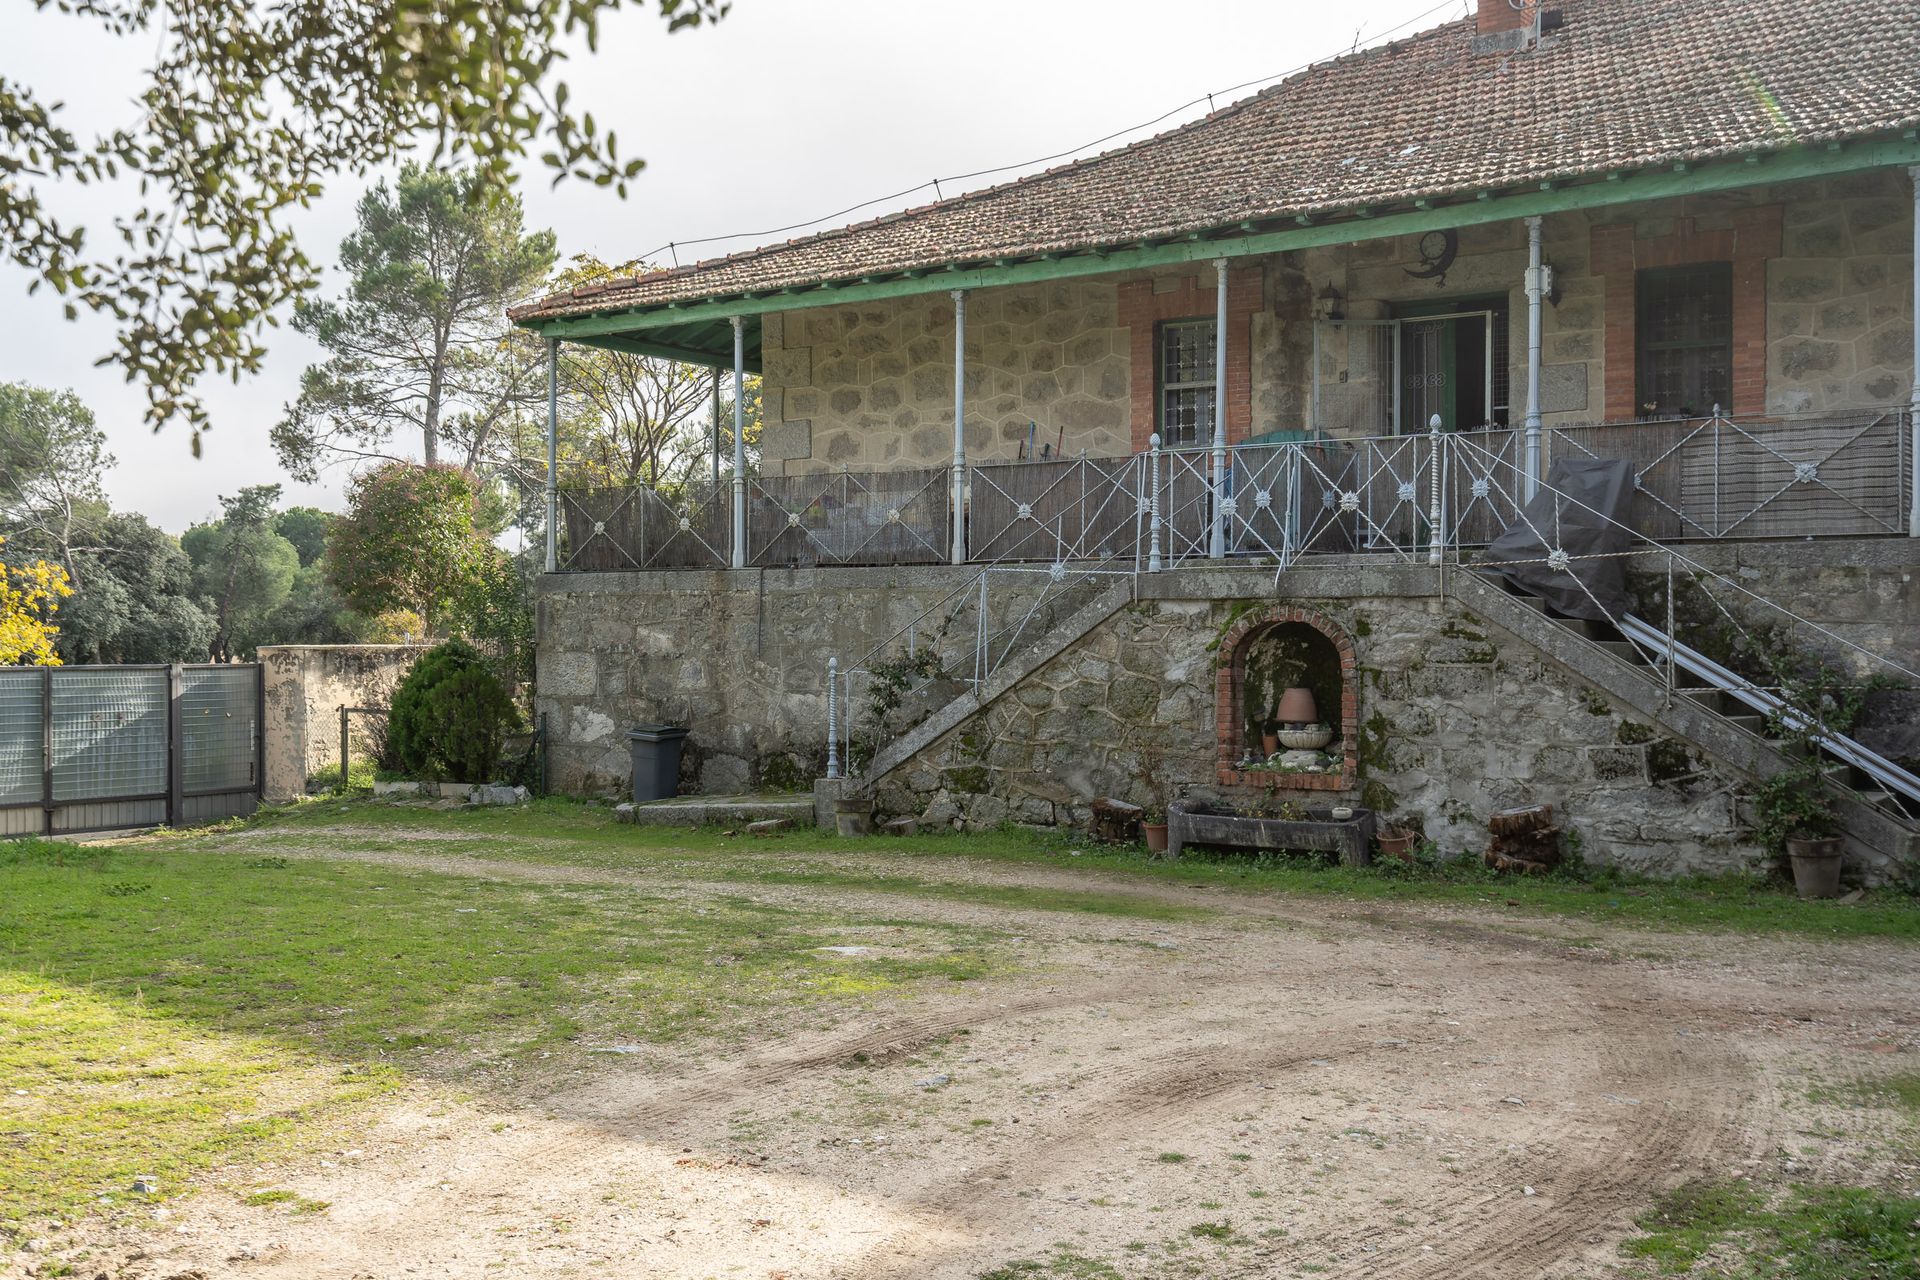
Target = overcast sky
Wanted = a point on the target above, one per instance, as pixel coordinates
(786, 111)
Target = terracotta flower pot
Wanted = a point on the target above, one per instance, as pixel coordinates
(1396, 843)
(1156, 833)
(1297, 707)
(1270, 742)
(1816, 866)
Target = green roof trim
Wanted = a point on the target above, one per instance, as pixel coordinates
(1602, 191)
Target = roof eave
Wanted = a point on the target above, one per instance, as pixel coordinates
(1269, 233)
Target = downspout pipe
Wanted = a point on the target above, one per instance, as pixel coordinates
(739, 442)
(1913, 409)
(1536, 292)
(716, 431)
(553, 455)
(1222, 503)
(959, 548)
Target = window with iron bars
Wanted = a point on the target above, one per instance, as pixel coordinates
(1186, 375)
(1684, 331)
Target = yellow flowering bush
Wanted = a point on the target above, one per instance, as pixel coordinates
(30, 594)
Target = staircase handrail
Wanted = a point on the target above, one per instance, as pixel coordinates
(1878, 767)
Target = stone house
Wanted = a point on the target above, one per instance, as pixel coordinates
(1071, 466)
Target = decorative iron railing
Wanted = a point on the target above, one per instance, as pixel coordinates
(612, 528)
(1841, 475)
(1072, 509)
(1709, 478)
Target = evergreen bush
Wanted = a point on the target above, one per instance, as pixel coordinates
(450, 717)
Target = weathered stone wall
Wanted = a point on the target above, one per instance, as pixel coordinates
(1455, 720)
(306, 685)
(739, 658)
(1456, 724)
(1866, 602)
(1840, 298)
(872, 385)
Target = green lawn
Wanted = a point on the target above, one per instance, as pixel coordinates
(191, 1000)
(164, 1005)
(1742, 1231)
(579, 834)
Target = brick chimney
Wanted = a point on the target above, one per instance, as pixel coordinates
(1504, 28)
(1499, 15)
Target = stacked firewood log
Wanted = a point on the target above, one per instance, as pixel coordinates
(1525, 840)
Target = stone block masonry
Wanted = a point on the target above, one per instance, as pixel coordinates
(1456, 724)
(1454, 720)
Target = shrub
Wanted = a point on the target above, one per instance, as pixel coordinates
(450, 716)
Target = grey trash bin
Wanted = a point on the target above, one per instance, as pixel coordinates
(656, 760)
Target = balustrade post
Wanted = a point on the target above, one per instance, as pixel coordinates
(833, 723)
(1153, 503)
(1436, 536)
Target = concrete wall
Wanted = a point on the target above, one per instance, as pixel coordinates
(306, 685)
(1827, 307)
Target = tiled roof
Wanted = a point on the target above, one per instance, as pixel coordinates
(1625, 84)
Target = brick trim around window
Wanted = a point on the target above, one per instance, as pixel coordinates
(1618, 254)
(1142, 308)
(1229, 683)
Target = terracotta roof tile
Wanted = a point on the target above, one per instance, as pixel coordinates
(1624, 84)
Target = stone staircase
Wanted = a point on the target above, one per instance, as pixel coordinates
(1017, 649)
(1881, 833)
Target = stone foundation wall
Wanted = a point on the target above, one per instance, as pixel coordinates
(306, 685)
(739, 658)
(1455, 721)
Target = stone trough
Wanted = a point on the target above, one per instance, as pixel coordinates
(1315, 831)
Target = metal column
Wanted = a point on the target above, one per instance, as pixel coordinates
(553, 455)
(1222, 504)
(1913, 410)
(1536, 290)
(959, 426)
(739, 442)
(716, 432)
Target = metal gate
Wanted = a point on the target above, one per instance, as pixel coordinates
(107, 748)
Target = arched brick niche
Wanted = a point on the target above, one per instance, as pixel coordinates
(1274, 646)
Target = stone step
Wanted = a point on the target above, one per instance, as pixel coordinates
(1881, 835)
(711, 811)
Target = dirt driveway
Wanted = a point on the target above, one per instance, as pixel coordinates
(1279, 1087)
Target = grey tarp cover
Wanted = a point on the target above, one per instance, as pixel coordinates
(1580, 510)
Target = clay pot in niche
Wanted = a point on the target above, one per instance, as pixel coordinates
(1300, 726)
